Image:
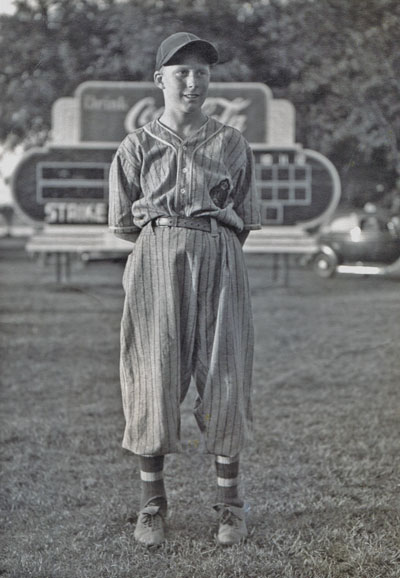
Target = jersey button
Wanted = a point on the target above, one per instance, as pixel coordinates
(184, 170)
(183, 191)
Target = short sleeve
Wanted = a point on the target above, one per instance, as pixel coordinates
(247, 203)
(124, 190)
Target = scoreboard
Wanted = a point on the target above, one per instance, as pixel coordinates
(70, 185)
(67, 181)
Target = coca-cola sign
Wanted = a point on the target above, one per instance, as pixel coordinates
(232, 112)
(109, 110)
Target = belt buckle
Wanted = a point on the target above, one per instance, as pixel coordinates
(174, 221)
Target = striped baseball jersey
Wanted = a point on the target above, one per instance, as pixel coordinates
(155, 173)
(187, 312)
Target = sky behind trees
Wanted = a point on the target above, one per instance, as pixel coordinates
(7, 7)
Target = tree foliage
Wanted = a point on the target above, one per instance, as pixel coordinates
(336, 60)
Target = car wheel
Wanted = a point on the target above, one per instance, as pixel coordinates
(325, 264)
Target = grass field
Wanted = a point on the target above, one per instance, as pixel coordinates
(321, 480)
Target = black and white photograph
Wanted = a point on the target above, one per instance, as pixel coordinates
(199, 288)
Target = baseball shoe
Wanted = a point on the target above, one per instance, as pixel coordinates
(232, 526)
(149, 529)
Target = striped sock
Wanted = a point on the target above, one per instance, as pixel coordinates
(227, 480)
(152, 479)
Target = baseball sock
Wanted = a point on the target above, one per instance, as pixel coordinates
(152, 481)
(227, 480)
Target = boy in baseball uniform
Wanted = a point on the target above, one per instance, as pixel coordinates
(182, 189)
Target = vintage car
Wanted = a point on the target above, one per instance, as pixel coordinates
(365, 242)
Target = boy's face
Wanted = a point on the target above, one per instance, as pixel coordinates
(184, 84)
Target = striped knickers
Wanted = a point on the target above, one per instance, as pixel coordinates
(187, 313)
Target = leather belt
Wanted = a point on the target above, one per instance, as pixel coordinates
(199, 223)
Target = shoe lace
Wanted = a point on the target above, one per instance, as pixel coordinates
(229, 518)
(152, 521)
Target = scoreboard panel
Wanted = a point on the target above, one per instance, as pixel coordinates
(71, 181)
(70, 185)
(283, 179)
(296, 186)
(66, 184)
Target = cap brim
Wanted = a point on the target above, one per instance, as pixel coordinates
(206, 49)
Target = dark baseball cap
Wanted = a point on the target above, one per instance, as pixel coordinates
(174, 43)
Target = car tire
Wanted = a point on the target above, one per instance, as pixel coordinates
(325, 264)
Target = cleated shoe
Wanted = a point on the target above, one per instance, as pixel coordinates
(150, 526)
(232, 526)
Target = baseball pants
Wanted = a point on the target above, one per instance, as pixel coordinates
(187, 313)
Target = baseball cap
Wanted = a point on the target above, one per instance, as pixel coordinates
(174, 43)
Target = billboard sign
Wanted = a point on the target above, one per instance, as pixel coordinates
(110, 110)
(67, 182)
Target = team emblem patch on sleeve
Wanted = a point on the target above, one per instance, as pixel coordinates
(219, 193)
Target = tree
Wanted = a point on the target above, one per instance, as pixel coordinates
(62, 40)
(348, 88)
(336, 60)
